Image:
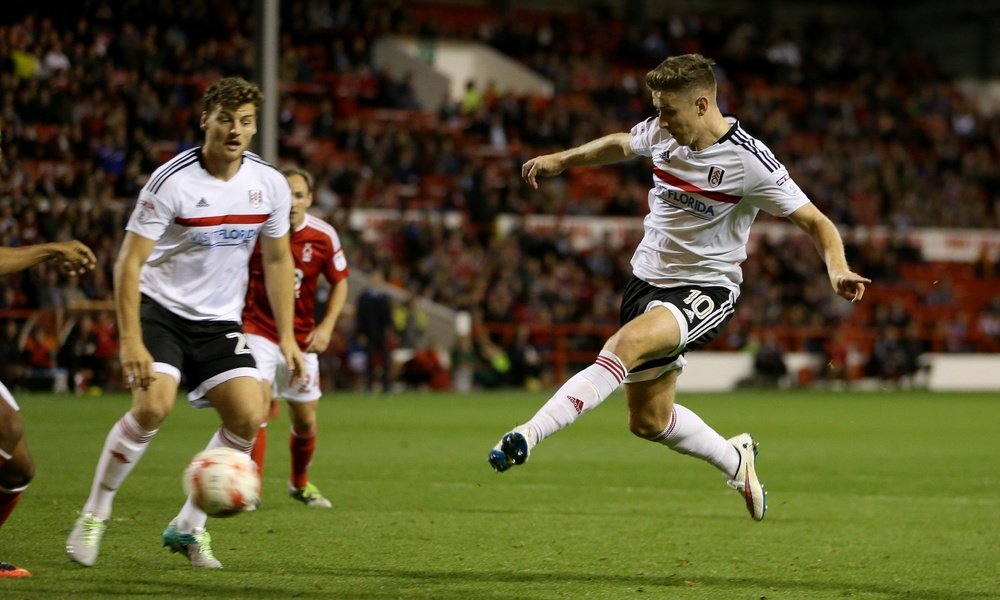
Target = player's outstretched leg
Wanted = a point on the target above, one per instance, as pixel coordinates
(580, 394)
(9, 571)
(84, 541)
(512, 449)
(745, 479)
(196, 545)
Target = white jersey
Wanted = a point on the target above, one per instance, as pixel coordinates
(205, 230)
(702, 204)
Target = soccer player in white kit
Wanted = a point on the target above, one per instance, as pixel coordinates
(180, 280)
(17, 468)
(710, 179)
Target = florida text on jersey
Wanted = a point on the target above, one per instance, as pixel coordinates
(702, 204)
(205, 230)
(316, 249)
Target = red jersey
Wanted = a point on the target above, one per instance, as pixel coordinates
(316, 249)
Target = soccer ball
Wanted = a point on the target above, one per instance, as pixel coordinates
(222, 481)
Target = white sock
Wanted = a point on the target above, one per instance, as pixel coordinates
(124, 446)
(688, 434)
(581, 393)
(191, 517)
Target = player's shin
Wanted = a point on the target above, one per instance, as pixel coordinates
(580, 394)
(687, 433)
(8, 500)
(124, 446)
(301, 448)
(259, 450)
(190, 516)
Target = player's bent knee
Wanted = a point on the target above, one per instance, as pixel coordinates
(11, 431)
(150, 415)
(16, 475)
(304, 429)
(245, 426)
(645, 427)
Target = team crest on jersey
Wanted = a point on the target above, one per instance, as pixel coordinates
(307, 252)
(256, 197)
(715, 175)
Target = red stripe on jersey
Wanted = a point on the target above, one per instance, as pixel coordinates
(220, 220)
(690, 187)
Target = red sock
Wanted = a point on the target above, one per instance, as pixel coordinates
(302, 452)
(259, 449)
(7, 503)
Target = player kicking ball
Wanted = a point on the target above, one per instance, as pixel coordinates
(316, 251)
(710, 179)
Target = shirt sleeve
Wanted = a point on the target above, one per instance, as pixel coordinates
(336, 268)
(278, 221)
(641, 137)
(151, 216)
(778, 194)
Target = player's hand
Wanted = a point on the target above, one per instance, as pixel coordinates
(73, 257)
(540, 166)
(318, 341)
(137, 365)
(849, 285)
(296, 363)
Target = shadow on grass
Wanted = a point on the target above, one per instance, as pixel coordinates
(646, 582)
(378, 583)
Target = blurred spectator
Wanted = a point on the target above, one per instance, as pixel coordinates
(373, 326)
(409, 320)
(10, 350)
(525, 362)
(493, 369)
(769, 363)
(985, 266)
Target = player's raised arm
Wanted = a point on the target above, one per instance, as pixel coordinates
(602, 151)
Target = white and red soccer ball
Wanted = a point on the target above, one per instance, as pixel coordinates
(222, 481)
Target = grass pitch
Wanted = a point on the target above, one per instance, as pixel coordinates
(871, 496)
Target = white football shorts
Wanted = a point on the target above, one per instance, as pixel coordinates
(272, 367)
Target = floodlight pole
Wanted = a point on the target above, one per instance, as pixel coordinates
(266, 18)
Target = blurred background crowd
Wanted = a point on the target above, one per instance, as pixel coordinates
(96, 96)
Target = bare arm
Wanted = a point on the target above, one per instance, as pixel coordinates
(137, 362)
(74, 257)
(605, 150)
(319, 338)
(279, 279)
(825, 236)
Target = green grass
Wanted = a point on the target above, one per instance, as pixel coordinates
(872, 496)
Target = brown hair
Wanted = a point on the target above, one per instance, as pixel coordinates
(684, 72)
(231, 92)
(301, 173)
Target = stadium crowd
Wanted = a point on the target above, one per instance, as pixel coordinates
(91, 100)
